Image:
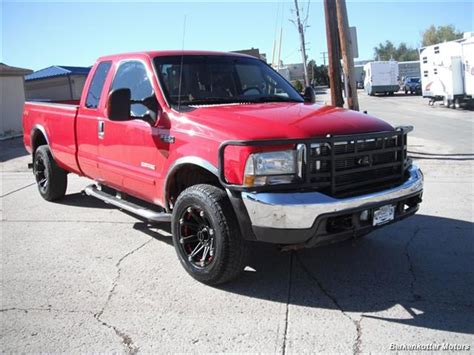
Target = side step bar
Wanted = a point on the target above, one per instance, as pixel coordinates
(131, 207)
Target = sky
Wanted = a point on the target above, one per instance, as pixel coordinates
(38, 34)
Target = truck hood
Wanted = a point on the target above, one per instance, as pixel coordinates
(280, 120)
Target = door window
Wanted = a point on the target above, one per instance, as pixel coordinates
(133, 75)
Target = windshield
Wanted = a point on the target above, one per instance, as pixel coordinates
(414, 80)
(218, 79)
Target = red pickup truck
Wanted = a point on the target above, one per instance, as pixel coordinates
(225, 149)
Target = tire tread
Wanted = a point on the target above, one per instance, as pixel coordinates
(58, 177)
(236, 249)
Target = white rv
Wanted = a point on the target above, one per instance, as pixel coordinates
(447, 72)
(468, 67)
(381, 77)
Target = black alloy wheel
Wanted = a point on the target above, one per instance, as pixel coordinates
(41, 174)
(197, 237)
(50, 178)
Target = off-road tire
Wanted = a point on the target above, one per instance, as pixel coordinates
(50, 178)
(231, 250)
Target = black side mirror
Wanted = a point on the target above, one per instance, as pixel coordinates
(309, 95)
(118, 108)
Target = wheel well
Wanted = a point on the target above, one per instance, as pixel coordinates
(186, 176)
(38, 138)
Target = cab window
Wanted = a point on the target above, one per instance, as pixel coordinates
(97, 84)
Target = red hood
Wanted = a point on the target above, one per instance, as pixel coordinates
(282, 120)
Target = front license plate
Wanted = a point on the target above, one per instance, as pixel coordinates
(383, 215)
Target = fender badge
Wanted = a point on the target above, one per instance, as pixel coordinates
(147, 165)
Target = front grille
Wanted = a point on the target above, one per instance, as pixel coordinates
(345, 166)
(339, 166)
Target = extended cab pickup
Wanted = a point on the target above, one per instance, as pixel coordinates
(225, 149)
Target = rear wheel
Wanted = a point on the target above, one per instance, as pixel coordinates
(50, 178)
(206, 236)
(456, 103)
(446, 102)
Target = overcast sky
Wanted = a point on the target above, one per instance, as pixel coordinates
(39, 34)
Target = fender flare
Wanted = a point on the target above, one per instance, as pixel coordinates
(34, 131)
(189, 160)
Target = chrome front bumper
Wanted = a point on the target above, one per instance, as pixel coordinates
(299, 210)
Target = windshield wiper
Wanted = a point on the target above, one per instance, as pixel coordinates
(237, 99)
(210, 101)
(274, 98)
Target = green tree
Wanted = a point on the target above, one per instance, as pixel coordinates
(387, 51)
(298, 86)
(434, 35)
(318, 74)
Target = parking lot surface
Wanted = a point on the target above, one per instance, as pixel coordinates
(80, 276)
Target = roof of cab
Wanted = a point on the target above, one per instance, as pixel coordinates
(166, 53)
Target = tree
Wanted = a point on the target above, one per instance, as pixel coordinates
(387, 51)
(298, 86)
(318, 75)
(434, 35)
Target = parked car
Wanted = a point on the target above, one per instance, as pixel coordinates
(225, 149)
(412, 86)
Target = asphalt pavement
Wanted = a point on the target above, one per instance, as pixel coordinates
(79, 276)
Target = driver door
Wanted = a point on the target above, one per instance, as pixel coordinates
(131, 154)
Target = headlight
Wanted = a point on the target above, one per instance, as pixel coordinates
(270, 168)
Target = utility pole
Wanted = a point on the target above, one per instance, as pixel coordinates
(302, 43)
(334, 53)
(279, 48)
(347, 55)
(273, 53)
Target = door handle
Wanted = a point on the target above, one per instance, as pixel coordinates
(100, 129)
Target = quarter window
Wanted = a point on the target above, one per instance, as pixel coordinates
(97, 84)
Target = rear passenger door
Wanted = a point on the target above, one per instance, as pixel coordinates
(88, 120)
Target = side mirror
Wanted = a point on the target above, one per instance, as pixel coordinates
(309, 95)
(119, 104)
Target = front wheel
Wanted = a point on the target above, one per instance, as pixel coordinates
(50, 178)
(206, 236)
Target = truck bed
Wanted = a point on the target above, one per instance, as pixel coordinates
(57, 122)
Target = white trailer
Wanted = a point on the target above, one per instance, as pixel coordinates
(447, 72)
(468, 67)
(359, 76)
(381, 77)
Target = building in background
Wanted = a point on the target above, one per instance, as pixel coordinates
(284, 72)
(254, 52)
(409, 69)
(56, 83)
(362, 62)
(12, 98)
(296, 71)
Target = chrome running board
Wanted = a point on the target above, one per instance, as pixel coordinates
(148, 214)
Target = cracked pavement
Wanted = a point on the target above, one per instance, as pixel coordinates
(79, 276)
